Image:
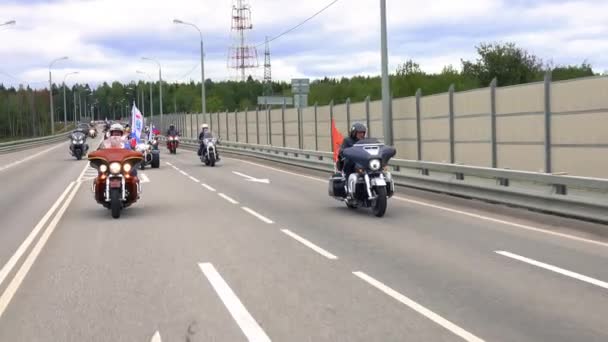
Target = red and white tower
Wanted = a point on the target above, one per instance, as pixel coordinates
(242, 56)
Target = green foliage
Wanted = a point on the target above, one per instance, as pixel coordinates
(25, 112)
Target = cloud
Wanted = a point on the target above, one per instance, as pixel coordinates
(105, 39)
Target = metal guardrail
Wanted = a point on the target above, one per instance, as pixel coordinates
(578, 197)
(18, 145)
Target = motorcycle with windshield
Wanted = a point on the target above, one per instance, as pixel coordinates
(78, 144)
(371, 184)
(209, 152)
(150, 153)
(116, 185)
(172, 143)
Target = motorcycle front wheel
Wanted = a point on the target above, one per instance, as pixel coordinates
(380, 206)
(115, 203)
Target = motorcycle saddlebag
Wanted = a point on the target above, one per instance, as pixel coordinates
(337, 184)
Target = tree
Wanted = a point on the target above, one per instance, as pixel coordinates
(508, 63)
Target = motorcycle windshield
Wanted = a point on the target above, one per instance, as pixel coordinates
(367, 149)
(78, 136)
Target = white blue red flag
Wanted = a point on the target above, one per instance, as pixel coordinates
(137, 122)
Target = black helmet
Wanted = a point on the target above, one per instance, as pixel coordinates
(356, 127)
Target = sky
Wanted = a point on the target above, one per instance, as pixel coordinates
(106, 39)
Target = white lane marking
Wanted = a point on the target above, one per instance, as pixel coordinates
(156, 337)
(555, 269)
(86, 167)
(467, 336)
(194, 179)
(454, 211)
(8, 267)
(169, 164)
(265, 219)
(252, 179)
(279, 170)
(243, 318)
(13, 286)
(15, 163)
(508, 223)
(228, 198)
(183, 173)
(208, 187)
(310, 244)
(144, 178)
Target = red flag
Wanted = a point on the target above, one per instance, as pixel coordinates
(337, 139)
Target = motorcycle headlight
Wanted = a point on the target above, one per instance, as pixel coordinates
(154, 142)
(170, 138)
(91, 131)
(81, 141)
(375, 164)
(103, 168)
(127, 167)
(74, 141)
(115, 168)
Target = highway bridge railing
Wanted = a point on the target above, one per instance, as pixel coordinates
(578, 197)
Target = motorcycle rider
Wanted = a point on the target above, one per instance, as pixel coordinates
(117, 140)
(356, 133)
(79, 130)
(204, 134)
(172, 131)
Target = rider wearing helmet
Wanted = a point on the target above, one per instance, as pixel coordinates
(356, 133)
(172, 131)
(205, 133)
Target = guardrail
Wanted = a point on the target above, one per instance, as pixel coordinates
(18, 145)
(579, 197)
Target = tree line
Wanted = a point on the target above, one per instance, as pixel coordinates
(24, 112)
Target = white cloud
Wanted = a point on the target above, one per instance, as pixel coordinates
(106, 38)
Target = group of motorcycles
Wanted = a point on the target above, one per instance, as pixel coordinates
(117, 186)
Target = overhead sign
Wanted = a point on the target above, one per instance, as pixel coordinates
(300, 85)
(275, 100)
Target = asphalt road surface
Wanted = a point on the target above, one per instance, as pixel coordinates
(255, 251)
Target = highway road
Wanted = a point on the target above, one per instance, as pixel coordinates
(255, 251)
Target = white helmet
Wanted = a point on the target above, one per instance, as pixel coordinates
(117, 127)
(203, 126)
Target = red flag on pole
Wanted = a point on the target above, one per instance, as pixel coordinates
(337, 139)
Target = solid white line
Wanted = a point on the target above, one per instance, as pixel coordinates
(269, 221)
(169, 164)
(310, 244)
(13, 286)
(555, 269)
(156, 337)
(183, 173)
(15, 163)
(194, 179)
(467, 336)
(228, 198)
(8, 267)
(243, 318)
(451, 210)
(208, 187)
(509, 223)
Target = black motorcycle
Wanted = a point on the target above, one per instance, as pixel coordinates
(370, 185)
(209, 154)
(78, 144)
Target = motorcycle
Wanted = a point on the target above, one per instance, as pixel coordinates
(371, 184)
(209, 154)
(115, 187)
(78, 145)
(150, 153)
(172, 143)
(92, 132)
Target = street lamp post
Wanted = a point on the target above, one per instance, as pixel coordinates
(151, 105)
(51, 92)
(387, 115)
(203, 98)
(65, 107)
(160, 85)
